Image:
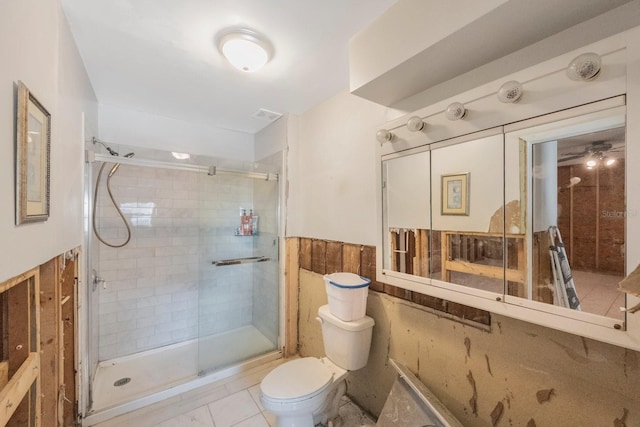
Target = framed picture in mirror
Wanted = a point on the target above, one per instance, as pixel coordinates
(33, 145)
(455, 194)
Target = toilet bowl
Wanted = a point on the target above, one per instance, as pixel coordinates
(299, 392)
(307, 391)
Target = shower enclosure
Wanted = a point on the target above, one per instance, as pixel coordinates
(184, 273)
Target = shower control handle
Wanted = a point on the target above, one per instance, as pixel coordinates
(96, 280)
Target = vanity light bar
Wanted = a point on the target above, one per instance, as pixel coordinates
(584, 67)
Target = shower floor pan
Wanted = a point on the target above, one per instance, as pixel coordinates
(125, 379)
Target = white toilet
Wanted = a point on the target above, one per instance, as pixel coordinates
(307, 391)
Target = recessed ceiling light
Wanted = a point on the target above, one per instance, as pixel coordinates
(180, 156)
(245, 49)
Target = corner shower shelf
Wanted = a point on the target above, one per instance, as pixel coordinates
(235, 261)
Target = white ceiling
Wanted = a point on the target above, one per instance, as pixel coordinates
(159, 56)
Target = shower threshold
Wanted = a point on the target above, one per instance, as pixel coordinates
(132, 382)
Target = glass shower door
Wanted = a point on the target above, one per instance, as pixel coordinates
(238, 279)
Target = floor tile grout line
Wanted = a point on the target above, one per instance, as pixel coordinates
(213, 421)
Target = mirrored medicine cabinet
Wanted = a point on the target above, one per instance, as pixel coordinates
(529, 215)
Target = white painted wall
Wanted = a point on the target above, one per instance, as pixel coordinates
(404, 31)
(135, 128)
(36, 47)
(332, 169)
(482, 159)
(408, 209)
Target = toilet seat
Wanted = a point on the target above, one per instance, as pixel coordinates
(297, 380)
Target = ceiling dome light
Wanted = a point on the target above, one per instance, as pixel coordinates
(245, 49)
(584, 67)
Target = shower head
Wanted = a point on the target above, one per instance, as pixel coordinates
(129, 155)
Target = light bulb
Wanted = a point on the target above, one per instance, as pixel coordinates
(510, 92)
(415, 124)
(455, 111)
(383, 135)
(591, 163)
(610, 162)
(584, 67)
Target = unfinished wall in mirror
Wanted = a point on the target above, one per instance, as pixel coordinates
(574, 173)
(467, 190)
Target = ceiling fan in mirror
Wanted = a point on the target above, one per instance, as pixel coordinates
(593, 154)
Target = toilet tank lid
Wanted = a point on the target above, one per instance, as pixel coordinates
(355, 325)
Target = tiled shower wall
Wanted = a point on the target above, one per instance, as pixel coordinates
(162, 288)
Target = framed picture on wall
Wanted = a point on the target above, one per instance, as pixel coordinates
(33, 147)
(455, 194)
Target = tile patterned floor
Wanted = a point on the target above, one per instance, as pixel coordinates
(231, 402)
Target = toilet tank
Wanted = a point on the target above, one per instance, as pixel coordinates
(346, 344)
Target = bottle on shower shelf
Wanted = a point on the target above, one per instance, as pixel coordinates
(254, 224)
(246, 223)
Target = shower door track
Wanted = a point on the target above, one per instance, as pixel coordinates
(209, 170)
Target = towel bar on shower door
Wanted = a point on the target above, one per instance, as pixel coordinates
(240, 260)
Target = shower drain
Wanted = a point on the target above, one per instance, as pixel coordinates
(122, 381)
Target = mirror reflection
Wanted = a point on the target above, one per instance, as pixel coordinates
(538, 214)
(467, 197)
(443, 216)
(407, 214)
(578, 221)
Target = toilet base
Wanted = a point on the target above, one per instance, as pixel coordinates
(305, 420)
(327, 415)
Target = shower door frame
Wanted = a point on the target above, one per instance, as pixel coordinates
(88, 356)
(205, 369)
